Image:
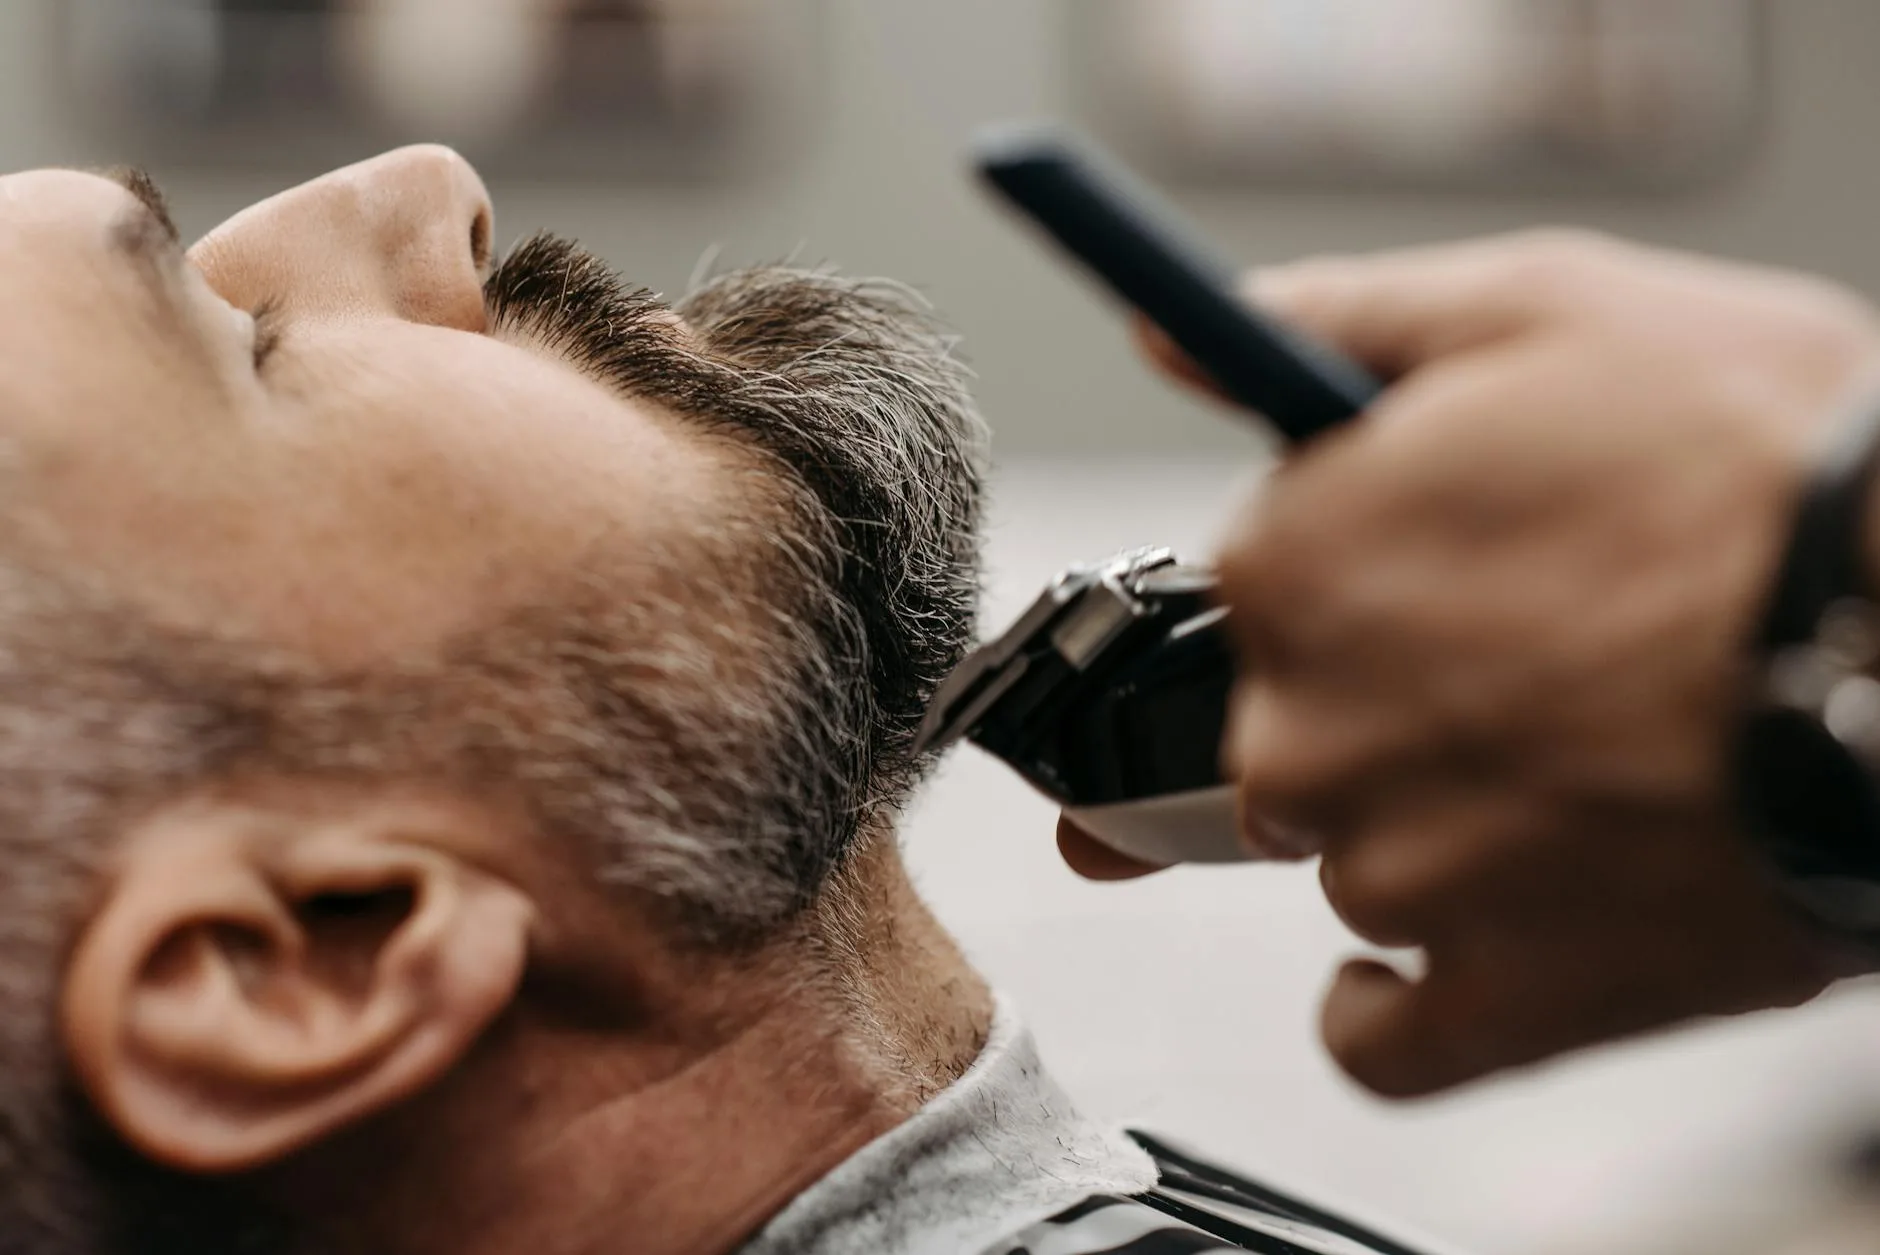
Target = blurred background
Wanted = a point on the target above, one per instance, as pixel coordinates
(675, 135)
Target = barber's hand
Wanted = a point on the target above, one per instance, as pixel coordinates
(1494, 638)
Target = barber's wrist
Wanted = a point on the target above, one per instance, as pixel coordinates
(1807, 761)
(1870, 541)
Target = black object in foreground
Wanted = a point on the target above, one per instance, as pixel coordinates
(1109, 696)
(1115, 225)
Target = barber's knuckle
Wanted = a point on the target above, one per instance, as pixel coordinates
(1284, 785)
(1272, 775)
(1568, 246)
(1557, 265)
(1245, 560)
(1384, 1072)
(1366, 1060)
(1834, 317)
(1276, 550)
(1386, 1058)
(1444, 1043)
(1266, 584)
(1378, 885)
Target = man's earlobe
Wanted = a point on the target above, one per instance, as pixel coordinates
(255, 980)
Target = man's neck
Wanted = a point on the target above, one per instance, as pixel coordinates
(689, 1165)
(679, 1139)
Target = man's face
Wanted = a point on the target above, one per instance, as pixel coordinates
(378, 624)
(305, 425)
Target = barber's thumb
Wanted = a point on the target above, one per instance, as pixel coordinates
(1379, 1026)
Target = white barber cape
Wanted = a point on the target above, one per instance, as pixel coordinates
(1001, 1163)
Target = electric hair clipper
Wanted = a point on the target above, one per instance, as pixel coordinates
(1110, 693)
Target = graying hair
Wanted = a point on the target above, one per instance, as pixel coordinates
(863, 572)
(714, 738)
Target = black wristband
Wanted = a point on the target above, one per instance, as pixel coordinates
(1806, 759)
(1824, 562)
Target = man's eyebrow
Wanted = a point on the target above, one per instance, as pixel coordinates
(146, 234)
(157, 207)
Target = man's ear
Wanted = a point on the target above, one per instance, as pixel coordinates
(256, 979)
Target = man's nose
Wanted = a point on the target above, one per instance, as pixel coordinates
(430, 216)
(405, 234)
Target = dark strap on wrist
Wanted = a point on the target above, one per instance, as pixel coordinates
(1825, 559)
(1809, 800)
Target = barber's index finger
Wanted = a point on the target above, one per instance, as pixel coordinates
(1399, 310)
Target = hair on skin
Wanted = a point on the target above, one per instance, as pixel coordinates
(873, 455)
(716, 740)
